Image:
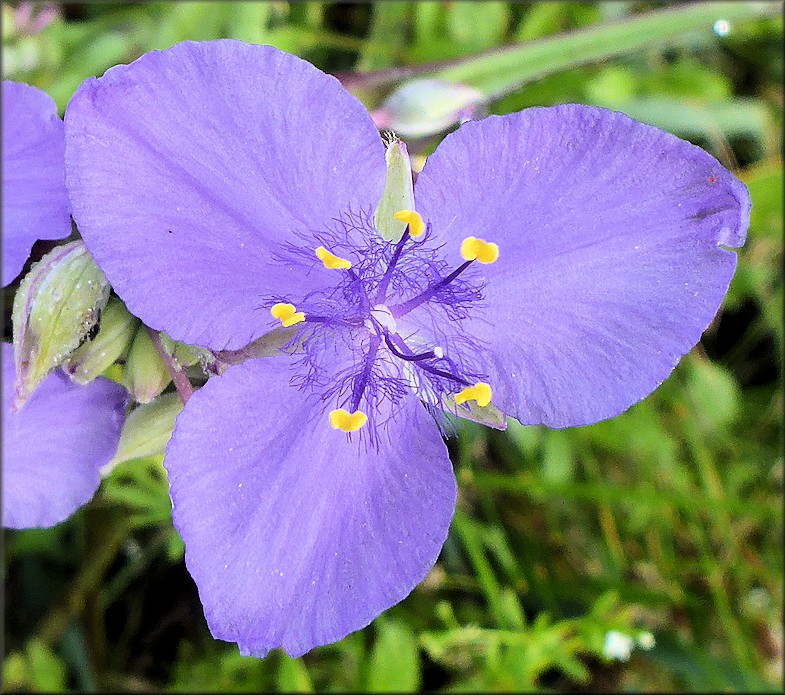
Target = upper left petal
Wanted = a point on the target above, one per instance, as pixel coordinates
(296, 534)
(188, 169)
(35, 202)
(54, 446)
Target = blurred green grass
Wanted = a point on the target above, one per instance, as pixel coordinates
(666, 519)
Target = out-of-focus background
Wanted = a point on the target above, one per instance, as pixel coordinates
(642, 553)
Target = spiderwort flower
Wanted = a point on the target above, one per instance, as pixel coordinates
(35, 202)
(558, 261)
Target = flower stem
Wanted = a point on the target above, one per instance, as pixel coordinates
(179, 377)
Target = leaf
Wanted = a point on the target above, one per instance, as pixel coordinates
(498, 72)
(293, 676)
(394, 665)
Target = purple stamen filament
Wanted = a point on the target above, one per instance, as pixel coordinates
(360, 382)
(402, 309)
(382, 291)
(427, 367)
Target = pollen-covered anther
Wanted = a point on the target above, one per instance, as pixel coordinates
(331, 261)
(287, 313)
(477, 249)
(345, 421)
(480, 392)
(413, 219)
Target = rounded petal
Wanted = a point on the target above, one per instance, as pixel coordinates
(296, 534)
(611, 265)
(55, 444)
(189, 168)
(35, 202)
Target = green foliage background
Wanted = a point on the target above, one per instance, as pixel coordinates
(667, 519)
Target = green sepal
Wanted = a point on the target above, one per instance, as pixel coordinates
(398, 193)
(56, 307)
(273, 344)
(116, 330)
(488, 415)
(147, 430)
(145, 375)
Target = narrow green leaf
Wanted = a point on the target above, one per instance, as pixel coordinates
(498, 72)
(293, 676)
(394, 665)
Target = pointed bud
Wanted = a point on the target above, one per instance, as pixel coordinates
(116, 330)
(146, 430)
(425, 107)
(56, 307)
(145, 375)
(398, 193)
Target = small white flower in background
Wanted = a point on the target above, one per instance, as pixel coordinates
(646, 640)
(618, 645)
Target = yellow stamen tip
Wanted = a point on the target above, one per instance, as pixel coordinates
(347, 422)
(480, 392)
(331, 261)
(477, 249)
(287, 313)
(413, 219)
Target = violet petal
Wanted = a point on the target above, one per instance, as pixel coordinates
(35, 202)
(190, 167)
(611, 236)
(295, 534)
(54, 446)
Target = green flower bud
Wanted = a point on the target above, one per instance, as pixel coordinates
(184, 355)
(398, 193)
(56, 308)
(425, 107)
(146, 430)
(115, 333)
(145, 374)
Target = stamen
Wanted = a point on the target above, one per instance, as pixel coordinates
(402, 309)
(410, 357)
(477, 249)
(480, 392)
(404, 352)
(381, 293)
(345, 421)
(331, 261)
(287, 313)
(413, 219)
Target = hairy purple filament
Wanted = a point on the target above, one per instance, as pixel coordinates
(399, 278)
(402, 309)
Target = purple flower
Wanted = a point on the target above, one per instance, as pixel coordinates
(55, 444)
(227, 189)
(35, 202)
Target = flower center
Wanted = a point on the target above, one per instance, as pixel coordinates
(387, 300)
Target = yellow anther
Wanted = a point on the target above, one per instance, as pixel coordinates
(478, 249)
(347, 422)
(332, 261)
(287, 313)
(413, 219)
(480, 392)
